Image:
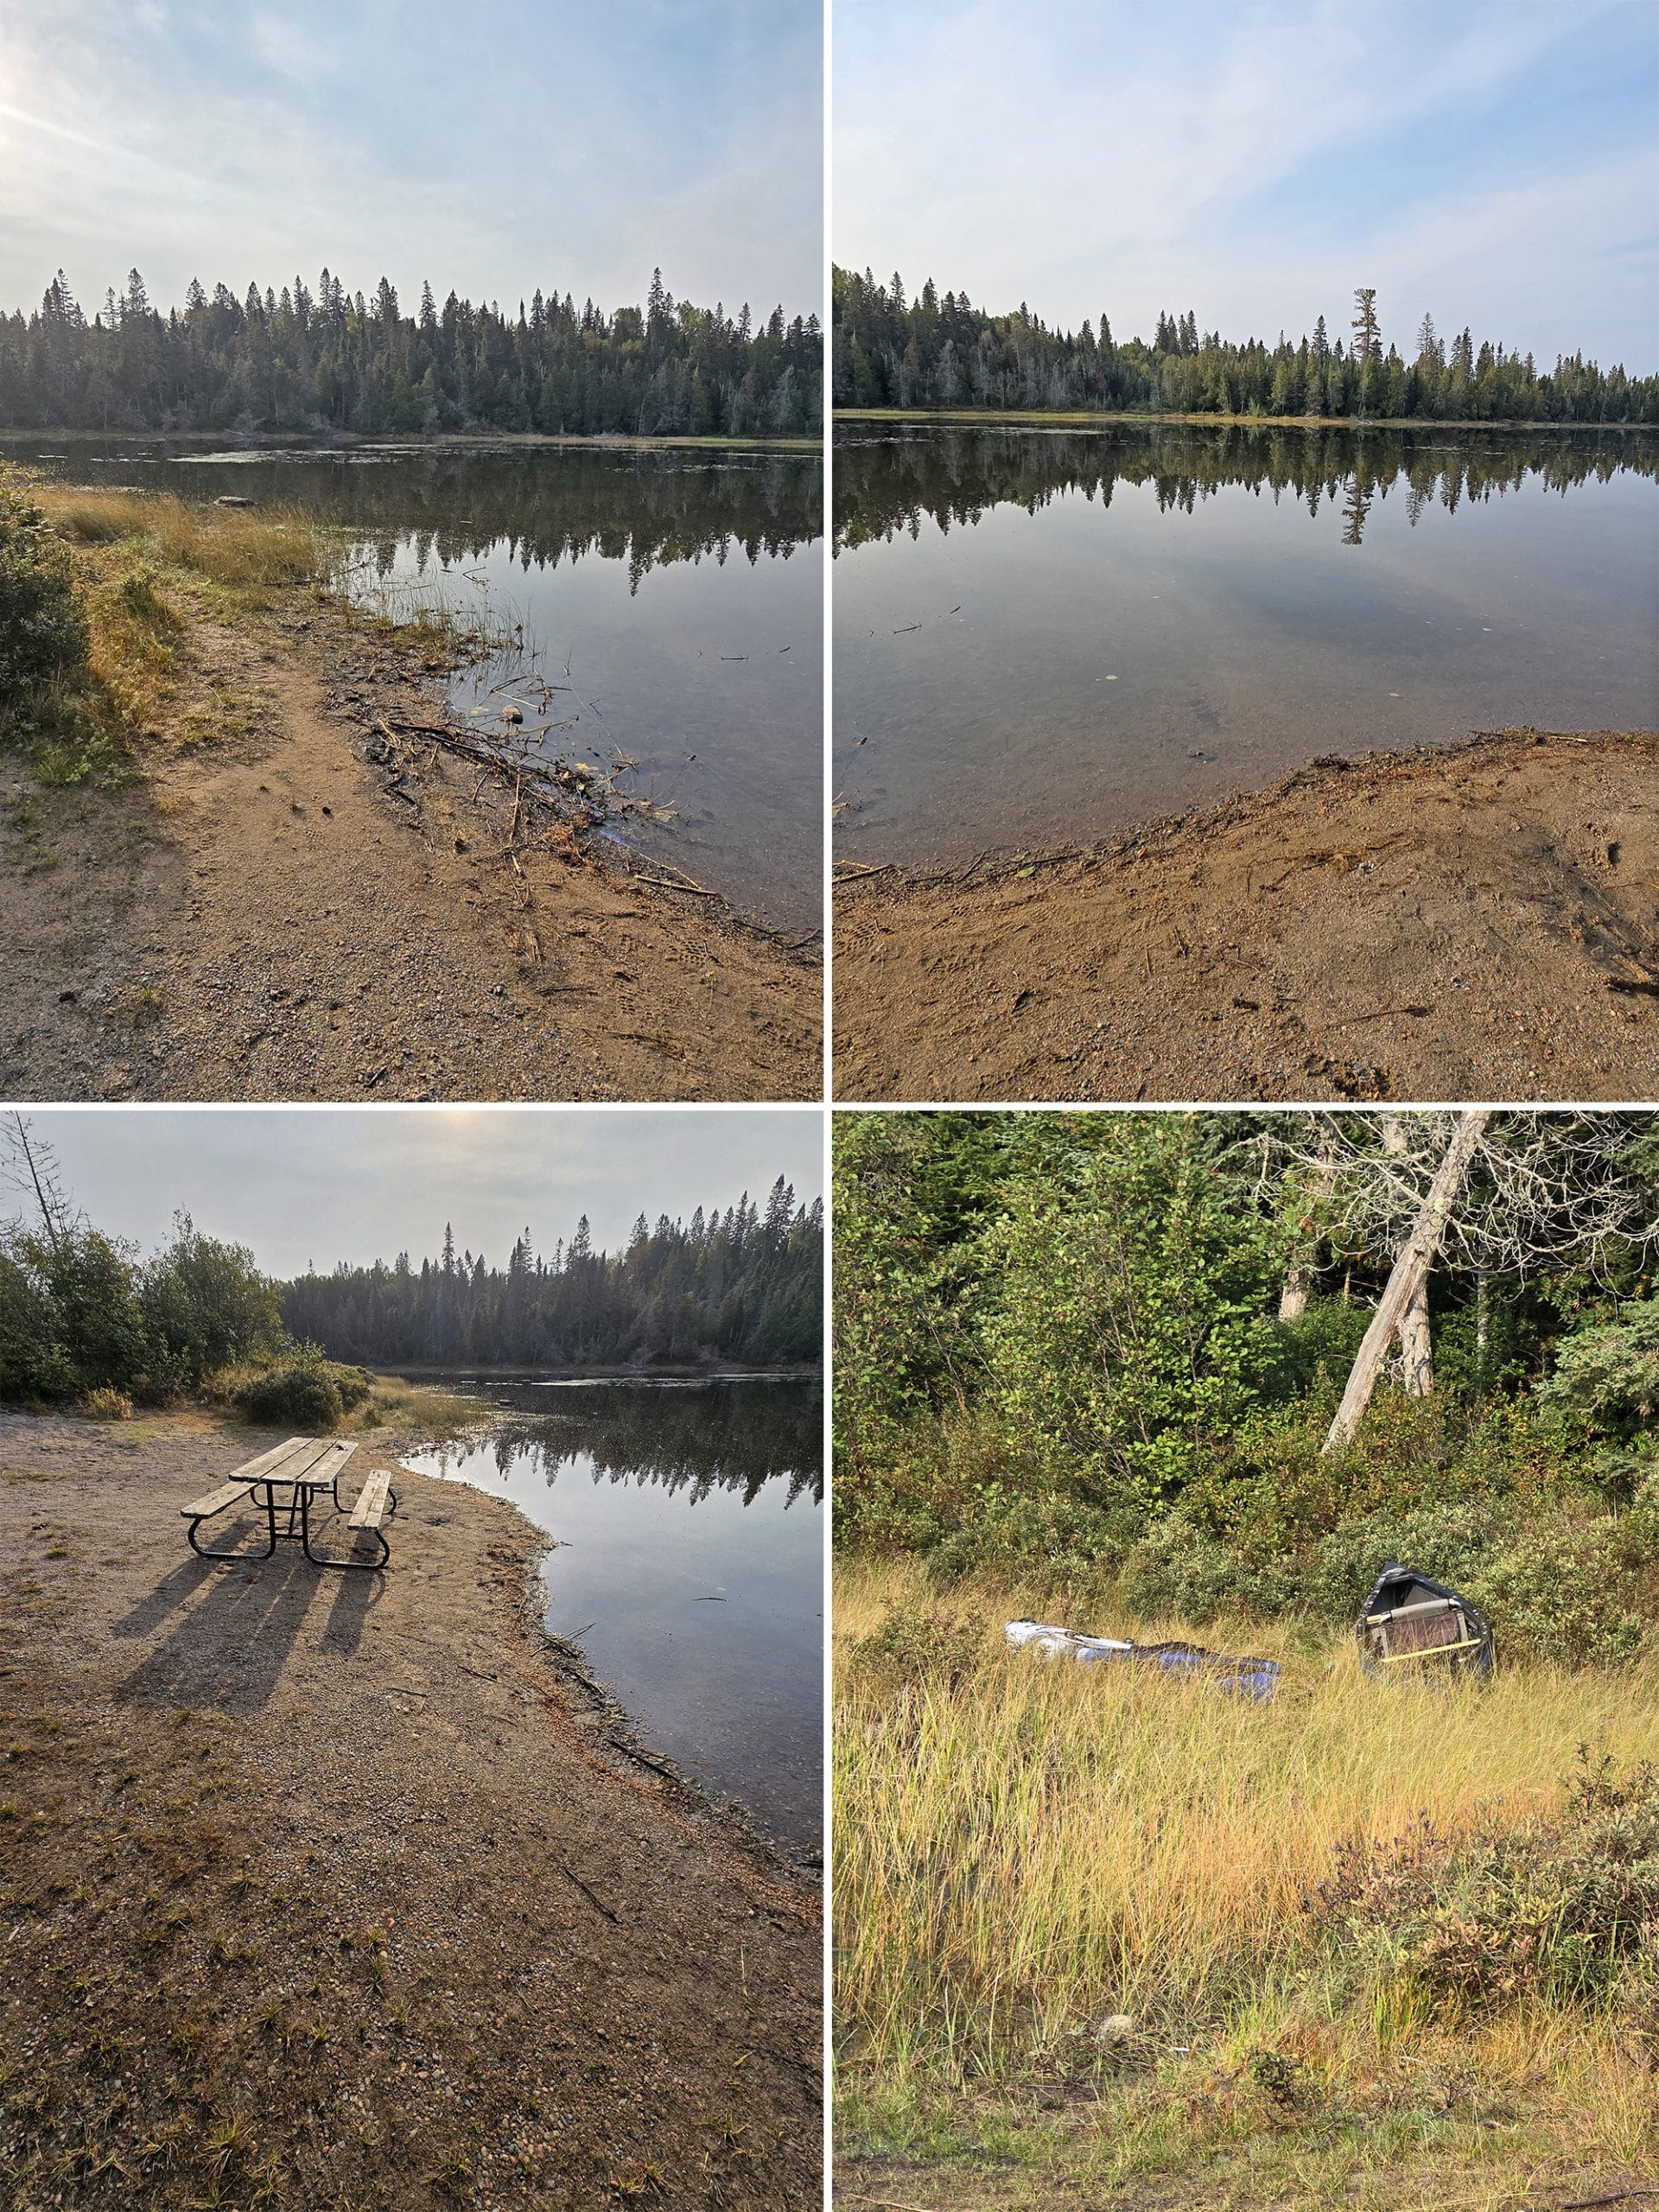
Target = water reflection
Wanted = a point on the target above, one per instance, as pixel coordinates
(688, 1560)
(644, 509)
(1044, 635)
(888, 483)
(689, 1437)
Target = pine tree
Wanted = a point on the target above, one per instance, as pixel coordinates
(1366, 338)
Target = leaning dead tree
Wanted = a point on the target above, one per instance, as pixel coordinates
(1416, 1340)
(1403, 1307)
(1500, 1193)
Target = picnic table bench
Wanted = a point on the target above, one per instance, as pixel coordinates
(304, 1468)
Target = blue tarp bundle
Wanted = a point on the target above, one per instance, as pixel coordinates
(1235, 1676)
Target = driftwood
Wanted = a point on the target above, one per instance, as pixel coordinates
(566, 798)
(668, 883)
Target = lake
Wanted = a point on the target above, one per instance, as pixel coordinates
(689, 1564)
(681, 590)
(1043, 636)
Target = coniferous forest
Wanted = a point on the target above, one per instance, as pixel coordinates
(743, 1285)
(334, 361)
(929, 352)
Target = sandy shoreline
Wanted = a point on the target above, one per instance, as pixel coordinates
(282, 901)
(1475, 921)
(344, 1871)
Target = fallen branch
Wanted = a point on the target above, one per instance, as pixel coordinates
(667, 883)
(598, 1904)
(629, 1750)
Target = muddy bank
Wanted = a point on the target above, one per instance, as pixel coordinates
(281, 898)
(1480, 922)
(344, 1891)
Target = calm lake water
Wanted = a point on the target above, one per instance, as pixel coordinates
(683, 593)
(690, 1566)
(1042, 636)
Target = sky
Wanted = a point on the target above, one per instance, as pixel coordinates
(1495, 163)
(318, 1184)
(493, 147)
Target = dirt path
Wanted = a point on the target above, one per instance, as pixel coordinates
(1476, 924)
(312, 1892)
(262, 914)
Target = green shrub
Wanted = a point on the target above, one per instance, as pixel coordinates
(1607, 1378)
(922, 1646)
(207, 1307)
(1130, 1333)
(1450, 1542)
(1560, 1593)
(43, 631)
(1557, 1909)
(1317, 1349)
(301, 1393)
(34, 1366)
(87, 1279)
(355, 1384)
(1175, 1569)
(1061, 1543)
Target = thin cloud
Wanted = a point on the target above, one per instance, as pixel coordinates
(321, 1185)
(616, 136)
(1252, 165)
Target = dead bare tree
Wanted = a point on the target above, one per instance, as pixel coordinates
(28, 1165)
(1524, 1187)
(1416, 1342)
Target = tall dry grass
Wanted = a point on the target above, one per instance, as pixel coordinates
(240, 548)
(250, 551)
(1023, 1847)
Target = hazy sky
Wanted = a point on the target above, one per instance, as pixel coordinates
(321, 1184)
(491, 146)
(1495, 162)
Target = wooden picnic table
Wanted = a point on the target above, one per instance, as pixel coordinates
(303, 1469)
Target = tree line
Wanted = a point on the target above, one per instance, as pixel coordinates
(955, 475)
(888, 350)
(1218, 1362)
(86, 1317)
(332, 361)
(743, 1285)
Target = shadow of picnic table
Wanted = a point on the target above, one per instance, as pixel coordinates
(227, 1651)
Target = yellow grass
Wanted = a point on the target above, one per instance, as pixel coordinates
(239, 547)
(1038, 1846)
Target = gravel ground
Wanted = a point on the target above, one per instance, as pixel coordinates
(339, 1892)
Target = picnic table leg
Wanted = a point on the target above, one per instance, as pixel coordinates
(206, 1551)
(340, 1566)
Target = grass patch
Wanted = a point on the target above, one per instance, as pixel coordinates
(244, 548)
(413, 1409)
(1104, 1925)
